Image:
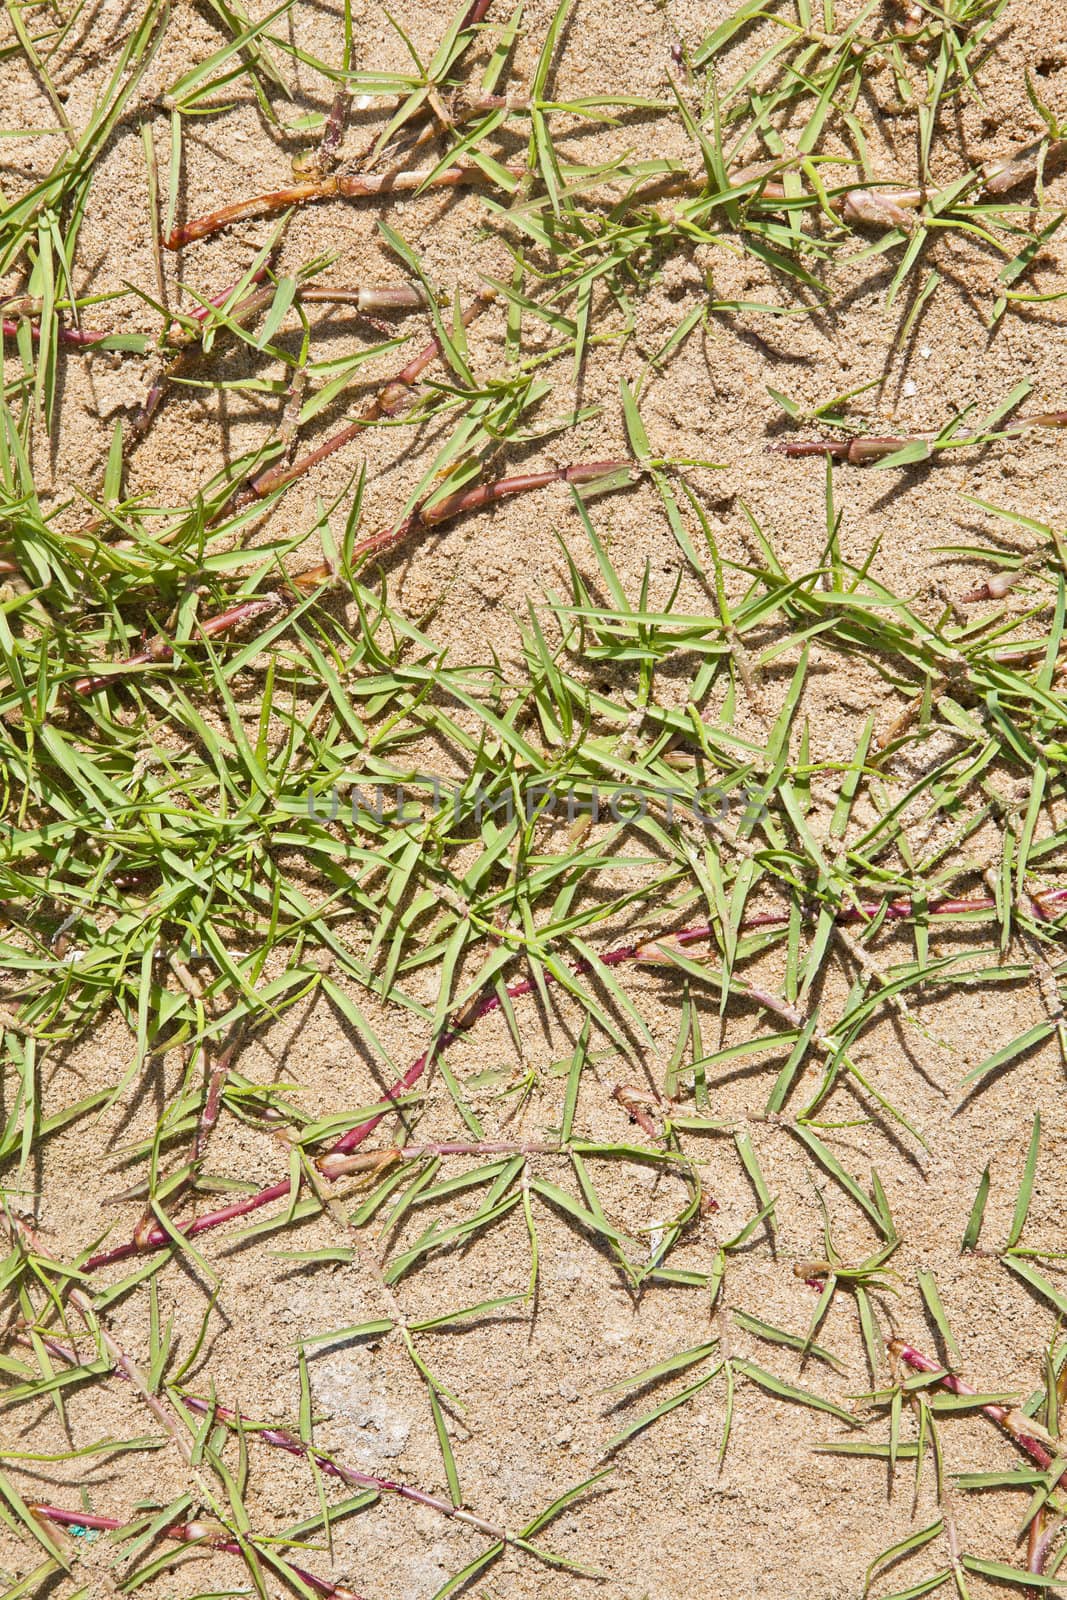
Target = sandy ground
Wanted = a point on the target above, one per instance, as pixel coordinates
(777, 1518)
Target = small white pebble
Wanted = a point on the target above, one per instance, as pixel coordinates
(926, 352)
(911, 388)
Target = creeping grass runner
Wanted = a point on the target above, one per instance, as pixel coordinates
(215, 709)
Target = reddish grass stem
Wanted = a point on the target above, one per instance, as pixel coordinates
(369, 299)
(282, 1439)
(477, 11)
(161, 649)
(347, 186)
(87, 337)
(156, 1236)
(1047, 905)
(857, 452)
(201, 313)
(424, 517)
(205, 1125)
(328, 154)
(388, 400)
(1014, 1422)
(487, 494)
(891, 206)
(878, 208)
(1006, 172)
(82, 337)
